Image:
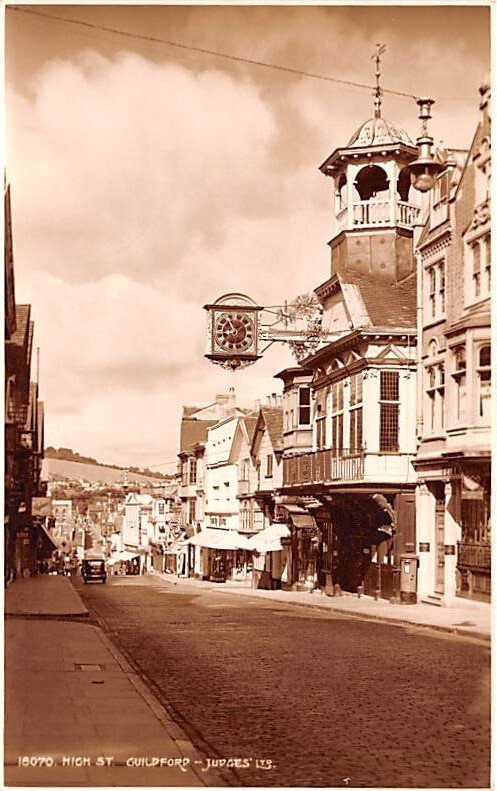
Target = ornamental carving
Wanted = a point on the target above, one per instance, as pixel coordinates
(481, 215)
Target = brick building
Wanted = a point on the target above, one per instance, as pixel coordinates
(453, 460)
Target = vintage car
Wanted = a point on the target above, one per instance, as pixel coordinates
(94, 569)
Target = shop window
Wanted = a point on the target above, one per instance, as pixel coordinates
(484, 373)
(459, 380)
(389, 412)
(304, 406)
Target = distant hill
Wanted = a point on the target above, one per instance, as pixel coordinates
(68, 454)
(93, 473)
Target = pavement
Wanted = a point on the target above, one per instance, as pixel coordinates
(76, 714)
(465, 617)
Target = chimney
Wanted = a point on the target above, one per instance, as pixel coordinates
(257, 404)
(268, 400)
(274, 400)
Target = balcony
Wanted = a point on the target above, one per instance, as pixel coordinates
(323, 466)
(348, 466)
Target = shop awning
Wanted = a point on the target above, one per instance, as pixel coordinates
(46, 537)
(126, 555)
(303, 521)
(215, 538)
(269, 539)
(300, 517)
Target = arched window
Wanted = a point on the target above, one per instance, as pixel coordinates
(484, 372)
(371, 180)
(404, 184)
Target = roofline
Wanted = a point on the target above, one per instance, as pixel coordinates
(357, 152)
(356, 334)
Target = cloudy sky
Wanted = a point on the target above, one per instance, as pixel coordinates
(148, 180)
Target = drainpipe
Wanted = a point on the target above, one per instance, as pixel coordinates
(419, 345)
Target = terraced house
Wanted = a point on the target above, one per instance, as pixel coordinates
(454, 397)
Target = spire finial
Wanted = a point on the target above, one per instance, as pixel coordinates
(380, 49)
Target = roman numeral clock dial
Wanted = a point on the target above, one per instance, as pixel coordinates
(234, 332)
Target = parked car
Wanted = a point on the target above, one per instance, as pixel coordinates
(94, 569)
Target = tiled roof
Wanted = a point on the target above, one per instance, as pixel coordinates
(193, 431)
(190, 410)
(250, 424)
(273, 418)
(387, 304)
(428, 233)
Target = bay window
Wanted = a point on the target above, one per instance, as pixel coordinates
(337, 416)
(355, 413)
(459, 379)
(484, 373)
(389, 411)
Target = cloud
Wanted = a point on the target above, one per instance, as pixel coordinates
(143, 189)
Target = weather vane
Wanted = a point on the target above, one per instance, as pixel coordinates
(380, 49)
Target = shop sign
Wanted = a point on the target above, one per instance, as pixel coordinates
(424, 546)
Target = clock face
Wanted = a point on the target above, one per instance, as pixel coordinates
(234, 332)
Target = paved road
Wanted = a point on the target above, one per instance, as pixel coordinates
(330, 701)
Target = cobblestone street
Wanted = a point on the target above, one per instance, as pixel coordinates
(330, 701)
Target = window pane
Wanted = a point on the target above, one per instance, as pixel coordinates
(389, 428)
(304, 415)
(304, 396)
(389, 386)
(485, 356)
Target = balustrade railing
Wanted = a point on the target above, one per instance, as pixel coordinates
(341, 219)
(378, 212)
(322, 466)
(371, 212)
(407, 214)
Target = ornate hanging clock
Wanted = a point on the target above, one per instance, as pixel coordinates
(233, 330)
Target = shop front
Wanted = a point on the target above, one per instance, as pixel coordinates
(225, 554)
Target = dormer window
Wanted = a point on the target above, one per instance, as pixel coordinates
(439, 203)
(441, 189)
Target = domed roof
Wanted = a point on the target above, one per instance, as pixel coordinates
(378, 132)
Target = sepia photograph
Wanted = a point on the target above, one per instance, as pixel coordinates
(248, 395)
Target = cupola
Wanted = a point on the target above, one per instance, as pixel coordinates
(372, 190)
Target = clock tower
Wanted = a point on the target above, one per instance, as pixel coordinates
(375, 208)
